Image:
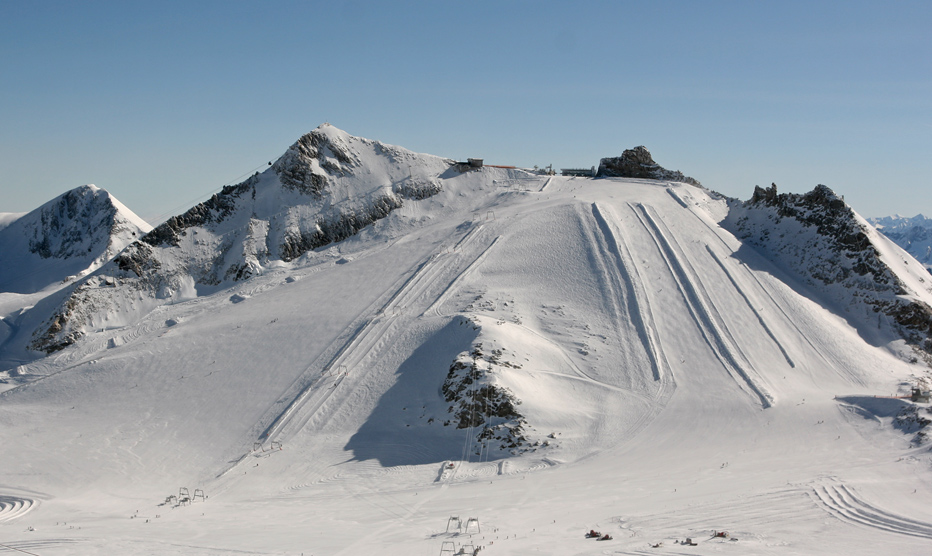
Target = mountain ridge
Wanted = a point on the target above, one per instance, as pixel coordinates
(543, 354)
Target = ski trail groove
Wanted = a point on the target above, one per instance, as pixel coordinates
(715, 232)
(12, 507)
(639, 314)
(434, 308)
(315, 372)
(744, 296)
(368, 335)
(841, 502)
(693, 295)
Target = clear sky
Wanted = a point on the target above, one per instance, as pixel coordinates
(161, 103)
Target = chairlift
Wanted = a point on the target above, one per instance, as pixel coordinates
(473, 521)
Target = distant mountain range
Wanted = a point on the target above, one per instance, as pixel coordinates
(914, 235)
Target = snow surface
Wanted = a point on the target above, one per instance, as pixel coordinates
(678, 383)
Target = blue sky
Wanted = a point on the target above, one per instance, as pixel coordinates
(161, 103)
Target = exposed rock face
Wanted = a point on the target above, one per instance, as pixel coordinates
(325, 188)
(638, 163)
(911, 420)
(476, 402)
(306, 165)
(214, 210)
(834, 220)
(820, 237)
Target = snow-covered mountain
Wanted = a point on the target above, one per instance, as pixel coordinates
(914, 235)
(70, 236)
(364, 349)
(858, 271)
(897, 223)
(325, 188)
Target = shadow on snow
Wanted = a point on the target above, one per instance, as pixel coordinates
(397, 431)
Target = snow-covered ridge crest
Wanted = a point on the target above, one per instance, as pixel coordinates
(71, 235)
(325, 188)
(831, 247)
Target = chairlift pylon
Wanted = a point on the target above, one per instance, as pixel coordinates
(454, 521)
(473, 521)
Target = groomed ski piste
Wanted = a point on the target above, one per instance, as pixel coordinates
(675, 384)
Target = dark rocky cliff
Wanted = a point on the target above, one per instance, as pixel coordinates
(638, 163)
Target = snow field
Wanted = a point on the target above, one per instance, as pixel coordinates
(689, 388)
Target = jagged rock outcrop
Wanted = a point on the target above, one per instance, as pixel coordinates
(914, 420)
(834, 220)
(307, 165)
(214, 210)
(476, 402)
(817, 235)
(638, 163)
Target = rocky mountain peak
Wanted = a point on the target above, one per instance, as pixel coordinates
(306, 164)
(81, 229)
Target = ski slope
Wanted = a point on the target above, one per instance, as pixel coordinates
(674, 383)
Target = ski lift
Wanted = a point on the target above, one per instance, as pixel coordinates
(454, 521)
(473, 521)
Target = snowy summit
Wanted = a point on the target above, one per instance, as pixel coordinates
(364, 349)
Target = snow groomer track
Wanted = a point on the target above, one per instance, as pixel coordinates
(842, 502)
(12, 507)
